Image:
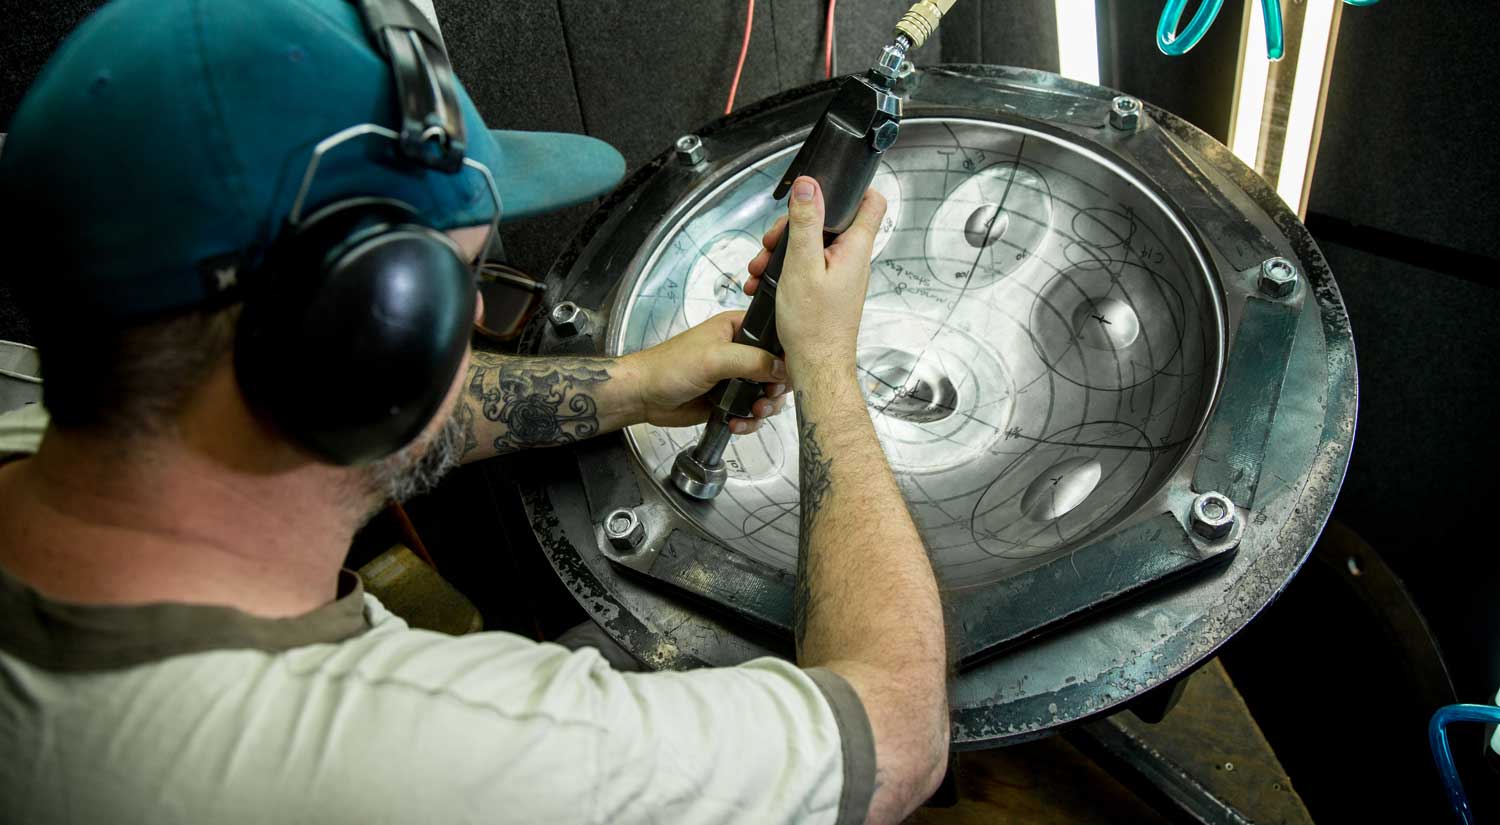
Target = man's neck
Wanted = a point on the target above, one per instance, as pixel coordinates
(157, 520)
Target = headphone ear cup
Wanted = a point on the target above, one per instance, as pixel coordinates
(351, 343)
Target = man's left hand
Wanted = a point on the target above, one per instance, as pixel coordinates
(673, 375)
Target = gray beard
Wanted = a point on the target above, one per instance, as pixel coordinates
(418, 467)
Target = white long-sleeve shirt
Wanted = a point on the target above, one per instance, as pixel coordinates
(173, 713)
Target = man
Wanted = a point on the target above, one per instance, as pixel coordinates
(177, 642)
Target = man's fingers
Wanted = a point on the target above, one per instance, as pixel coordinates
(858, 241)
(757, 264)
(751, 284)
(741, 361)
(773, 235)
(804, 251)
(743, 426)
(767, 407)
(725, 325)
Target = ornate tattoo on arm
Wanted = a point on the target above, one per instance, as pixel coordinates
(539, 402)
(464, 414)
(814, 483)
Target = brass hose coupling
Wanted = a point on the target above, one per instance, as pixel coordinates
(922, 19)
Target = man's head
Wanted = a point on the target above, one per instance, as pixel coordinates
(153, 166)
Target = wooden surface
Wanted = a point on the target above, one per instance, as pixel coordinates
(1038, 783)
(1211, 735)
(415, 592)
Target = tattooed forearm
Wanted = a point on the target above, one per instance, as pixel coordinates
(814, 484)
(532, 402)
(464, 414)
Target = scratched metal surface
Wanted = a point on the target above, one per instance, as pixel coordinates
(1039, 346)
(1231, 218)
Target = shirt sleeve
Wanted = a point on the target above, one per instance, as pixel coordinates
(21, 430)
(762, 742)
(857, 744)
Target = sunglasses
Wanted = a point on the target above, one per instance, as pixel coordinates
(511, 298)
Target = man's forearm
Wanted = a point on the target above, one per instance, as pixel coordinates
(858, 545)
(867, 603)
(513, 402)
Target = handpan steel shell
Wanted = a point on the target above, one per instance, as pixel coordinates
(1303, 425)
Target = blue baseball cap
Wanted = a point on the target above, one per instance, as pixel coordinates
(164, 143)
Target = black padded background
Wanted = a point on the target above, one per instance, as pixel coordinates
(649, 71)
(513, 58)
(1421, 480)
(29, 34)
(993, 31)
(1405, 148)
(1408, 135)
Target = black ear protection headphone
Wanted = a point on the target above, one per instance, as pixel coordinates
(352, 335)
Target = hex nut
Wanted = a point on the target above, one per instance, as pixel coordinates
(624, 530)
(888, 65)
(568, 319)
(690, 151)
(1278, 278)
(1125, 113)
(1213, 516)
(697, 480)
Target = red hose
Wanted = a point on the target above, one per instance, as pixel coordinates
(744, 50)
(828, 40)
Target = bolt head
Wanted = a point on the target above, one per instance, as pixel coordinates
(690, 151)
(1278, 278)
(1125, 113)
(567, 319)
(1213, 516)
(884, 136)
(624, 530)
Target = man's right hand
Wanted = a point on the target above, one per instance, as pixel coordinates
(821, 294)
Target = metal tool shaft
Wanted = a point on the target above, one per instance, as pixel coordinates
(710, 449)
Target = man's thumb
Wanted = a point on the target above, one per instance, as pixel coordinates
(750, 363)
(805, 221)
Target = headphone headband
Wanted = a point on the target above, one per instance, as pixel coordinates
(432, 126)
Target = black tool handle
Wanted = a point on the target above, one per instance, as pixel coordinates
(759, 326)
